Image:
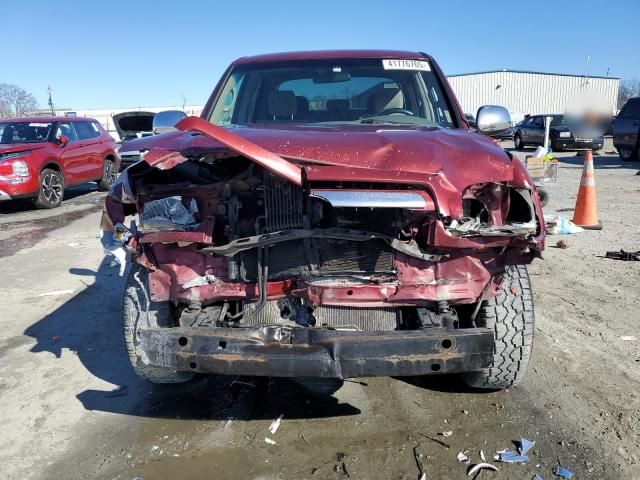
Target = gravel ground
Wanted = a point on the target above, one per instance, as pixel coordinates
(63, 356)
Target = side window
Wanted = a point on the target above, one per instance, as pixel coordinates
(97, 128)
(85, 130)
(538, 122)
(68, 131)
(631, 109)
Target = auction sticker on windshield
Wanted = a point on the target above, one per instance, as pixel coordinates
(400, 64)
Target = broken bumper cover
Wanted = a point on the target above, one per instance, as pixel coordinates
(302, 352)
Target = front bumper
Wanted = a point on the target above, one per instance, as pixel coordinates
(304, 352)
(573, 144)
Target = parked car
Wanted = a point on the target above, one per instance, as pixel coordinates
(41, 156)
(329, 215)
(626, 131)
(565, 133)
(129, 126)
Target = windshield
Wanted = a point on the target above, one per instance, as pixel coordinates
(24, 132)
(558, 120)
(333, 92)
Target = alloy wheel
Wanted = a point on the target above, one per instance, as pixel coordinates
(52, 188)
(110, 173)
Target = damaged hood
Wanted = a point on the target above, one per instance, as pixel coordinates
(386, 151)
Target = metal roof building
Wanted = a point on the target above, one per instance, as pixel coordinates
(532, 92)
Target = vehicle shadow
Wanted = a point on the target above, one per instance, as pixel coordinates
(89, 325)
(445, 383)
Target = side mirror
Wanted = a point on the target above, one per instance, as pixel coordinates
(493, 120)
(164, 122)
(63, 139)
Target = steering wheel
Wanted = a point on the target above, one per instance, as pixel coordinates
(395, 111)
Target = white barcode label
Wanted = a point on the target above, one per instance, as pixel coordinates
(400, 64)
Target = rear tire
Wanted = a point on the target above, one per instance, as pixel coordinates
(627, 154)
(511, 318)
(109, 175)
(139, 312)
(51, 190)
(517, 142)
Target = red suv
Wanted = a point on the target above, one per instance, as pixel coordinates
(40, 156)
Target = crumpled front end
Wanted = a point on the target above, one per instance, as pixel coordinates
(237, 244)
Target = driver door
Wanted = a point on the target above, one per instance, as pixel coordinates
(71, 155)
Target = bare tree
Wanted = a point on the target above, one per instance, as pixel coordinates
(16, 101)
(628, 88)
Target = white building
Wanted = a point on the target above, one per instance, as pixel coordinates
(532, 92)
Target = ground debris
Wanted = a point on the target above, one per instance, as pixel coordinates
(507, 456)
(622, 255)
(525, 445)
(462, 457)
(439, 442)
(562, 472)
(473, 469)
(273, 428)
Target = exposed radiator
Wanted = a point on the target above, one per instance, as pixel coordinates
(284, 204)
(291, 311)
(344, 256)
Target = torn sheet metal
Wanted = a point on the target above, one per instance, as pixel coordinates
(252, 151)
(470, 227)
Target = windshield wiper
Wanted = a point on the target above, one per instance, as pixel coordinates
(377, 120)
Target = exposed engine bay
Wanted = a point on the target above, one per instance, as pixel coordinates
(234, 244)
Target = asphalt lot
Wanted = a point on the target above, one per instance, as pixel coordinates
(64, 357)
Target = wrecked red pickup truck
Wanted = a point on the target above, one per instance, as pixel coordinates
(330, 215)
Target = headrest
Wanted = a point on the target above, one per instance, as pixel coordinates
(337, 105)
(386, 98)
(302, 104)
(282, 104)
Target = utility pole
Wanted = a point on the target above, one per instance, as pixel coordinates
(49, 91)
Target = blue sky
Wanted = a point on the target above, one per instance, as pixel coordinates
(140, 53)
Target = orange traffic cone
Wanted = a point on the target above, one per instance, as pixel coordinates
(585, 214)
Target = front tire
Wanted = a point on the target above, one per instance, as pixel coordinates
(109, 175)
(511, 318)
(517, 141)
(140, 312)
(51, 190)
